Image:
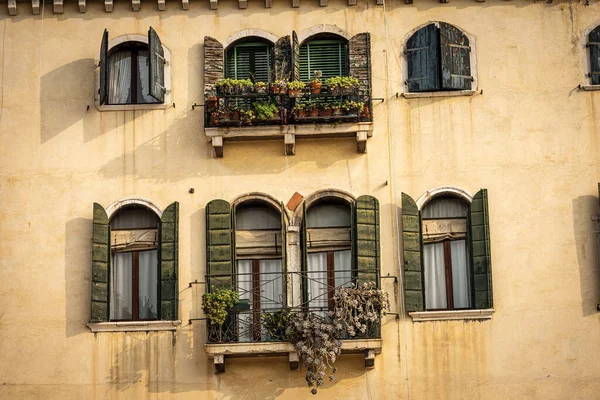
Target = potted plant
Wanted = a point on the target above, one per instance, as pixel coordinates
(224, 86)
(312, 109)
(265, 110)
(352, 108)
(300, 110)
(260, 87)
(235, 114)
(276, 324)
(326, 110)
(337, 109)
(339, 85)
(315, 83)
(295, 88)
(211, 102)
(216, 117)
(216, 306)
(246, 117)
(279, 87)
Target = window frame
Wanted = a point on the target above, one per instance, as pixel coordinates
(113, 45)
(250, 42)
(439, 93)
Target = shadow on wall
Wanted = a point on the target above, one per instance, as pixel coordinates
(78, 275)
(586, 243)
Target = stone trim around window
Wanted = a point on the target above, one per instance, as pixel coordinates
(128, 107)
(446, 93)
(133, 326)
(451, 315)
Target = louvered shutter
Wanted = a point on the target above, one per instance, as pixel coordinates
(423, 58)
(100, 264)
(412, 252)
(219, 244)
(367, 240)
(213, 64)
(327, 56)
(594, 45)
(169, 257)
(360, 59)
(304, 240)
(283, 58)
(283, 254)
(249, 61)
(455, 58)
(295, 58)
(156, 66)
(480, 251)
(103, 92)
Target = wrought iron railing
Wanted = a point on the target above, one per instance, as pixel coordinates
(259, 315)
(240, 109)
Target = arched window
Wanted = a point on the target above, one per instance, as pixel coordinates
(438, 58)
(327, 53)
(250, 58)
(446, 258)
(328, 248)
(594, 45)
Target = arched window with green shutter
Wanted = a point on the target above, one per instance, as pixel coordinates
(249, 60)
(328, 55)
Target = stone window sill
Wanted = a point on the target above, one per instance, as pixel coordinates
(590, 88)
(423, 316)
(133, 326)
(130, 107)
(450, 93)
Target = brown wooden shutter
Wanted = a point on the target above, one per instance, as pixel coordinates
(295, 58)
(594, 45)
(100, 265)
(481, 264)
(213, 64)
(367, 240)
(169, 260)
(219, 244)
(414, 299)
(283, 59)
(422, 52)
(455, 58)
(360, 59)
(103, 92)
(156, 66)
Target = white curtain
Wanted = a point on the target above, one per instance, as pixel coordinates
(244, 287)
(328, 215)
(119, 78)
(143, 87)
(461, 281)
(250, 218)
(148, 284)
(446, 207)
(120, 283)
(270, 284)
(342, 263)
(317, 280)
(435, 276)
(134, 218)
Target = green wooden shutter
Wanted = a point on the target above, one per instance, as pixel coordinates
(359, 50)
(367, 240)
(327, 56)
(594, 45)
(249, 61)
(304, 240)
(104, 68)
(213, 64)
(455, 58)
(283, 255)
(295, 57)
(156, 66)
(282, 66)
(412, 251)
(100, 265)
(169, 259)
(423, 58)
(219, 244)
(480, 251)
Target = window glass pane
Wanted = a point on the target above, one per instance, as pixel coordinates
(328, 215)
(120, 285)
(119, 77)
(342, 262)
(270, 284)
(143, 79)
(435, 276)
(446, 207)
(134, 218)
(257, 217)
(317, 280)
(148, 284)
(461, 284)
(244, 289)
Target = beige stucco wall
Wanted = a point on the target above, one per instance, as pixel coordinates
(531, 139)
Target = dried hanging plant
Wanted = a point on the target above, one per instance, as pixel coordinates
(356, 307)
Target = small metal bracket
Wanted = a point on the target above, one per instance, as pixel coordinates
(196, 105)
(378, 99)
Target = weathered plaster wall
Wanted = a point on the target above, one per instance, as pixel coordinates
(531, 139)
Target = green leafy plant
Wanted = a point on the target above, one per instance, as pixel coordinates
(353, 106)
(276, 323)
(296, 85)
(339, 84)
(260, 87)
(265, 110)
(216, 306)
(234, 86)
(246, 116)
(317, 76)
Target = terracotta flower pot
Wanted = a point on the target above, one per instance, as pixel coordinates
(337, 112)
(300, 113)
(235, 115)
(326, 112)
(314, 112)
(294, 92)
(315, 87)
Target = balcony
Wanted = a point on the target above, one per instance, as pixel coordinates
(274, 113)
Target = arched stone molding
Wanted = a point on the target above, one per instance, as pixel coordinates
(322, 28)
(472, 58)
(140, 201)
(264, 197)
(249, 33)
(442, 190)
(317, 196)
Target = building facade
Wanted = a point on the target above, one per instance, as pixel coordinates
(462, 178)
